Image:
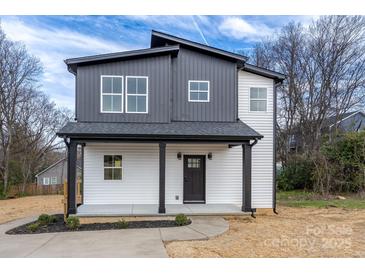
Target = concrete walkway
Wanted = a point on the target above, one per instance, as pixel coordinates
(128, 243)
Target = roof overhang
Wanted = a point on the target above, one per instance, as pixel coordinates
(118, 56)
(159, 39)
(228, 132)
(276, 76)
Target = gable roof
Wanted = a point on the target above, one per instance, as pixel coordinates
(163, 43)
(72, 63)
(232, 131)
(331, 121)
(55, 164)
(159, 39)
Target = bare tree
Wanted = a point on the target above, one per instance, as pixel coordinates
(36, 134)
(18, 79)
(325, 68)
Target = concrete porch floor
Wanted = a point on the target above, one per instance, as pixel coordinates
(89, 210)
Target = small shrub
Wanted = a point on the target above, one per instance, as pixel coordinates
(33, 227)
(52, 219)
(72, 222)
(122, 224)
(181, 219)
(45, 219)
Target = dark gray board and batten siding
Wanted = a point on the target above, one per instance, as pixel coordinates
(167, 87)
(222, 74)
(157, 69)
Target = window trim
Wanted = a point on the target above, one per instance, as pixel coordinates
(258, 99)
(115, 94)
(208, 91)
(126, 94)
(44, 179)
(52, 181)
(110, 167)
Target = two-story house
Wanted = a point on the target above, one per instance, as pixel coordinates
(178, 127)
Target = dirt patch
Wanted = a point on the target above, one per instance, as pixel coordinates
(295, 232)
(12, 209)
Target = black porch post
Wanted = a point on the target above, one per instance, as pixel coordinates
(161, 208)
(71, 177)
(246, 177)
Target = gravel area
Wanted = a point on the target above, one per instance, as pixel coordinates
(295, 232)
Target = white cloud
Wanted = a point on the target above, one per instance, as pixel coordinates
(239, 28)
(52, 46)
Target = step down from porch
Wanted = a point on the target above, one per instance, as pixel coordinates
(152, 210)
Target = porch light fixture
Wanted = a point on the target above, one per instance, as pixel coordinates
(179, 155)
(210, 156)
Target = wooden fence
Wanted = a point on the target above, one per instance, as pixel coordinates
(34, 189)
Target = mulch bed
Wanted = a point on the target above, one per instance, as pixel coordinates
(59, 226)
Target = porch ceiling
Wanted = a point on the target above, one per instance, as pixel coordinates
(152, 210)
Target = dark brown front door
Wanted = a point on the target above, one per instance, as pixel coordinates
(194, 178)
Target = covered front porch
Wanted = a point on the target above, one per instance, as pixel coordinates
(152, 210)
(183, 167)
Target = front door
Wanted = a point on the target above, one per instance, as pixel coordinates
(194, 178)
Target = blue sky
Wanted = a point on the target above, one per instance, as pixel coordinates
(55, 38)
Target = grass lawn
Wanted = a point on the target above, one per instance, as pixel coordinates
(298, 198)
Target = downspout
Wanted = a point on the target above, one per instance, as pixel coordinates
(253, 210)
(276, 84)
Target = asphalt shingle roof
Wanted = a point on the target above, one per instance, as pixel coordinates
(237, 130)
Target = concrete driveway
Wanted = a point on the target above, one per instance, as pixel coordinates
(135, 243)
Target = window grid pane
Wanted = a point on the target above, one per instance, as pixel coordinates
(117, 85)
(258, 105)
(131, 85)
(141, 85)
(106, 84)
(193, 163)
(203, 96)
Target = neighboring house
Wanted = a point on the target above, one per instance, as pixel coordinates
(55, 173)
(177, 123)
(347, 122)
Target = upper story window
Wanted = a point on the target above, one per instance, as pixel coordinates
(258, 99)
(137, 94)
(198, 91)
(111, 93)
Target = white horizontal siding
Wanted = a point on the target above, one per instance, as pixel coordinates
(223, 173)
(262, 122)
(140, 184)
(140, 174)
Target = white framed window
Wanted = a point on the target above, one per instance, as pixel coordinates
(53, 180)
(46, 181)
(258, 99)
(113, 167)
(137, 94)
(111, 92)
(198, 91)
